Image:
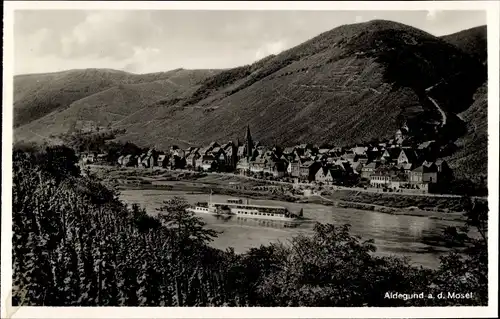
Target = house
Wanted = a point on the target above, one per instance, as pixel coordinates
(444, 170)
(177, 162)
(307, 170)
(179, 153)
(336, 150)
(101, 158)
(387, 177)
(294, 167)
(275, 167)
(408, 156)
(240, 152)
(357, 167)
(359, 150)
(162, 161)
(285, 161)
(397, 183)
(199, 161)
(205, 151)
(218, 153)
(213, 145)
(258, 165)
(363, 158)
(305, 146)
(120, 160)
(243, 166)
(392, 154)
(215, 151)
(288, 150)
(298, 152)
(350, 157)
(209, 163)
(191, 159)
(369, 169)
(405, 168)
(130, 161)
(309, 153)
(89, 158)
(231, 156)
(398, 137)
(424, 174)
(323, 176)
(141, 161)
(380, 179)
(147, 161)
(340, 172)
(323, 151)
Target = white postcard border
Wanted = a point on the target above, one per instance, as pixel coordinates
(492, 8)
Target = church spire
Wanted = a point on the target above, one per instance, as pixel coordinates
(249, 143)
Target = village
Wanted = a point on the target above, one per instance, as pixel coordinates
(389, 166)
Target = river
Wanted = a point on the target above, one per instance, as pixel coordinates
(393, 234)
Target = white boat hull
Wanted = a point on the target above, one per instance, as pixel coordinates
(202, 210)
(237, 209)
(242, 213)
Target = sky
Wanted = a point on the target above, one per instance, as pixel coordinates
(141, 41)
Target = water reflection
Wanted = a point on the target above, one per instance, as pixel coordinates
(393, 234)
(252, 222)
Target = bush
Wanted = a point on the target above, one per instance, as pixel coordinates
(75, 244)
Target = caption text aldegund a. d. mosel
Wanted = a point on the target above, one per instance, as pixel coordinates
(441, 295)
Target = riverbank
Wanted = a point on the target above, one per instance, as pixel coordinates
(409, 211)
(442, 208)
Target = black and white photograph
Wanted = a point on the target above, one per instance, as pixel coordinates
(277, 158)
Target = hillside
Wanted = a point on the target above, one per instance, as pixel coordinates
(471, 159)
(351, 84)
(102, 96)
(36, 95)
(472, 41)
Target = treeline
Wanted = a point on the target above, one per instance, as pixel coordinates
(76, 244)
(102, 142)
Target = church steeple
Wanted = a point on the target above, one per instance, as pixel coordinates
(249, 143)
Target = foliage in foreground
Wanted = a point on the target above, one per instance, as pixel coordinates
(75, 243)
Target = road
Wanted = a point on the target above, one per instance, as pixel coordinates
(443, 113)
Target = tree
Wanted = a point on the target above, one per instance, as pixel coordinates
(465, 269)
(189, 235)
(188, 228)
(143, 221)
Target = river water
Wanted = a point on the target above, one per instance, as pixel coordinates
(393, 234)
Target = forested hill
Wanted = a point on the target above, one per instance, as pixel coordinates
(471, 159)
(472, 41)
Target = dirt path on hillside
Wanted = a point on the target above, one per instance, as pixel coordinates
(435, 103)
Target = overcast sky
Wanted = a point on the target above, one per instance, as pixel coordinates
(154, 41)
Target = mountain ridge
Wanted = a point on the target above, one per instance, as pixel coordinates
(472, 41)
(347, 85)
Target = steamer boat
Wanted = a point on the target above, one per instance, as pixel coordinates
(236, 207)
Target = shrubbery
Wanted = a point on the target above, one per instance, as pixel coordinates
(75, 243)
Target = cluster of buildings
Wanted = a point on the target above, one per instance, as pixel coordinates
(389, 165)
